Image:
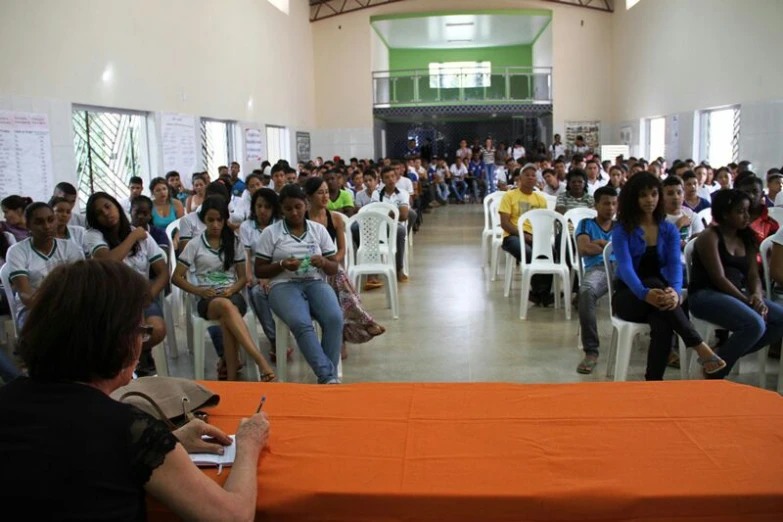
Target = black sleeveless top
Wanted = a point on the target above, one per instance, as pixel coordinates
(329, 225)
(735, 268)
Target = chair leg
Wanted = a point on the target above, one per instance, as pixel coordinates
(509, 275)
(199, 331)
(623, 358)
(281, 348)
(484, 249)
(524, 293)
(684, 363)
(395, 305)
(567, 296)
(612, 354)
(493, 264)
(161, 363)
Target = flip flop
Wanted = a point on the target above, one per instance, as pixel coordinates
(714, 358)
(372, 285)
(268, 377)
(587, 366)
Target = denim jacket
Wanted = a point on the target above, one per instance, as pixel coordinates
(629, 248)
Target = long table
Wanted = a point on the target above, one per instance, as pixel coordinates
(674, 451)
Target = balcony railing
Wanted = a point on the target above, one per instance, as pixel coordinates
(474, 85)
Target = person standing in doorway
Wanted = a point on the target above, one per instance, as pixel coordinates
(488, 158)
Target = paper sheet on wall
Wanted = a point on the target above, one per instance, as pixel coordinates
(25, 155)
(178, 136)
(254, 144)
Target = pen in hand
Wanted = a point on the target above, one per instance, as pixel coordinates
(261, 405)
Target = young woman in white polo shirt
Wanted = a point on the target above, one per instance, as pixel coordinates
(62, 212)
(296, 255)
(218, 262)
(30, 260)
(111, 236)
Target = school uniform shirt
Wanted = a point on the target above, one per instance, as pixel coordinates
(704, 192)
(398, 198)
(516, 152)
(78, 219)
(75, 234)
(191, 225)
(689, 231)
(465, 153)
(458, 173)
(405, 184)
(593, 230)
(343, 200)
(779, 199)
(241, 209)
(362, 198)
(584, 149)
(558, 149)
(250, 232)
(238, 188)
(501, 175)
(515, 203)
(24, 260)
(595, 185)
(148, 252)
(703, 203)
(126, 205)
(554, 192)
(278, 243)
(206, 263)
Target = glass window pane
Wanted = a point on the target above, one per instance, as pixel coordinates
(657, 138)
(215, 145)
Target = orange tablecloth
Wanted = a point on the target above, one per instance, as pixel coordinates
(675, 451)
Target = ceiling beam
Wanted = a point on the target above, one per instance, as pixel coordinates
(323, 9)
(598, 5)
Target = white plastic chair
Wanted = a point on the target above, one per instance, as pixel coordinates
(706, 216)
(776, 213)
(486, 234)
(282, 336)
(369, 255)
(9, 325)
(573, 217)
(551, 201)
(386, 208)
(542, 259)
(177, 296)
(496, 238)
(348, 259)
(766, 254)
(166, 304)
(707, 330)
(11, 332)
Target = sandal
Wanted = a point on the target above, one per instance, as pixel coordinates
(373, 285)
(674, 361)
(268, 377)
(587, 365)
(222, 370)
(375, 328)
(713, 359)
(288, 353)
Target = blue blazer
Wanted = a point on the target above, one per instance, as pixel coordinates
(629, 248)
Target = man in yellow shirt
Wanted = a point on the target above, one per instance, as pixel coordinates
(515, 203)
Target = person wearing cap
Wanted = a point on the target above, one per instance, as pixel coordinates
(513, 205)
(774, 177)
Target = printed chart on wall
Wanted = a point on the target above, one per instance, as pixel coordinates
(589, 130)
(25, 155)
(254, 144)
(302, 146)
(178, 133)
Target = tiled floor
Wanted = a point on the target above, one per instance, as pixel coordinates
(455, 325)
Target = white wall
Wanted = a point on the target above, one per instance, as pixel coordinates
(542, 49)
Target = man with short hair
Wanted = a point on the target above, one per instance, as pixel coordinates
(774, 177)
(458, 185)
(175, 187)
(68, 192)
(685, 220)
(560, 170)
(278, 178)
(135, 186)
(580, 147)
(592, 236)
(401, 199)
(760, 221)
(557, 148)
(340, 199)
(290, 175)
(690, 185)
(223, 171)
(552, 185)
(237, 185)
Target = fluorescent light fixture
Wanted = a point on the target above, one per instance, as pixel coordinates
(459, 24)
(457, 41)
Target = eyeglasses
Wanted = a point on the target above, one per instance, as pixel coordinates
(145, 331)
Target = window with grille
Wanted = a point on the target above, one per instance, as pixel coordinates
(656, 138)
(277, 144)
(719, 136)
(217, 145)
(453, 75)
(108, 148)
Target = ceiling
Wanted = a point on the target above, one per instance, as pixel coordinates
(460, 31)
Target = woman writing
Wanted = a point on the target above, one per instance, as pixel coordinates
(575, 195)
(218, 262)
(649, 272)
(101, 456)
(13, 209)
(197, 196)
(165, 209)
(725, 287)
(359, 326)
(296, 255)
(31, 260)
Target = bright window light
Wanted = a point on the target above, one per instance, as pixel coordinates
(280, 4)
(657, 144)
(720, 133)
(453, 75)
(630, 3)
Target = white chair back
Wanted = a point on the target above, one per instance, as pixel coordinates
(5, 273)
(766, 253)
(706, 216)
(348, 259)
(543, 223)
(608, 251)
(573, 217)
(171, 230)
(688, 254)
(776, 213)
(495, 196)
(371, 225)
(551, 201)
(494, 218)
(382, 207)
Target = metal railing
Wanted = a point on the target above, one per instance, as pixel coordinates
(462, 85)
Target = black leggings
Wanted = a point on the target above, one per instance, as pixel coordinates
(662, 324)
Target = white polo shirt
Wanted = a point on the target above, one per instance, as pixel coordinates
(595, 185)
(399, 197)
(148, 253)
(206, 264)
(77, 219)
(459, 173)
(191, 225)
(277, 243)
(249, 233)
(75, 234)
(362, 198)
(405, 184)
(24, 260)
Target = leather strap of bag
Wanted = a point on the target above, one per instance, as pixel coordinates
(154, 404)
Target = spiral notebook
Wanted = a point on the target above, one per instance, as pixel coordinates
(205, 460)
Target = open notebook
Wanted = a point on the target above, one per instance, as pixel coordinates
(208, 459)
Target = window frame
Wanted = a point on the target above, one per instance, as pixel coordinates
(231, 143)
(439, 71)
(704, 121)
(648, 146)
(284, 143)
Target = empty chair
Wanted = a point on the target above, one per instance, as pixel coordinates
(573, 217)
(487, 233)
(369, 255)
(496, 238)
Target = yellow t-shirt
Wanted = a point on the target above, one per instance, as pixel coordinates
(515, 203)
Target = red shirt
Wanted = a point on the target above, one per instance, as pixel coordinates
(764, 226)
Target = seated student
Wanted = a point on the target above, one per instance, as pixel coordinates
(760, 222)
(278, 178)
(476, 178)
(458, 185)
(196, 197)
(339, 198)
(111, 236)
(725, 287)
(774, 177)
(513, 204)
(191, 225)
(592, 235)
(365, 196)
(31, 260)
(440, 176)
(290, 175)
(217, 260)
(165, 208)
(13, 209)
(687, 223)
(296, 255)
(704, 191)
(266, 211)
(68, 191)
(135, 186)
(6, 240)
(243, 209)
(617, 178)
(390, 193)
(102, 456)
(723, 179)
(649, 275)
(141, 217)
(575, 194)
(691, 199)
(175, 185)
(62, 213)
(552, 185)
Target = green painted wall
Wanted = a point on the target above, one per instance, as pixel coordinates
(507, 56)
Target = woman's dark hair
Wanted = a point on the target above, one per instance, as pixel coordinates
(227, 237)
(75, 333)
(723, 202)
(268, 195)
(141, 199)
(195, 176)
(113, 239)
(292, 191)
(312, 185)
(628, 212)
(56, 200)
(747, 177)
(15, 202)
(160, 181)
(254, 175)
(575, 173)
(66, 188)
(32, 207)
(4, 245)
(216, 188)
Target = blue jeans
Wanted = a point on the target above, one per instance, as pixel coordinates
(459, 188)
(594, 286)
(749, 332)
(492, 185)
(259, 300)
(297, 303)
(441, 191)
(216, 334)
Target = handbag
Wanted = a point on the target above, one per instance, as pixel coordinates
(171, 400)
